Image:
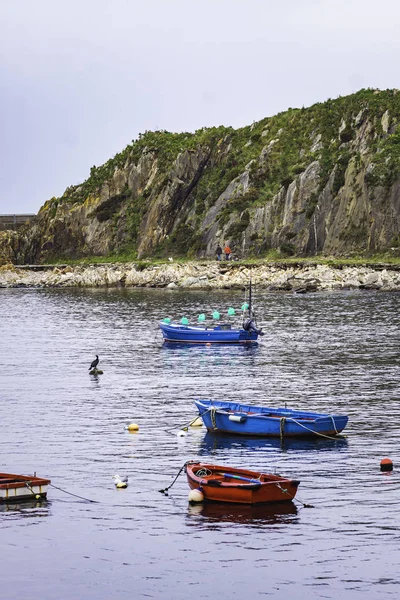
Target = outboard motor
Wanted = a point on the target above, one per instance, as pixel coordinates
(250, 325)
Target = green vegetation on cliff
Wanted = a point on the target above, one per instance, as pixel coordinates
(307, 181)
(294, 132)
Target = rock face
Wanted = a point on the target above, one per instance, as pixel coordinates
(318, 181)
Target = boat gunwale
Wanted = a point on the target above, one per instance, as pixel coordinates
(19, 481)
(255, 475)
(218, 328)
(280, 412)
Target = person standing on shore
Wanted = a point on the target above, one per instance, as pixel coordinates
(228, 252)
(219, 252)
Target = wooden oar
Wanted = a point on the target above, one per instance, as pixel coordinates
(241, 478)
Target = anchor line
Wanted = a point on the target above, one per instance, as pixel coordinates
(282, 427)
(213, 411)
(186, 427)
(75, 495)
(165, 490)
(328, 437)
(27, 483)
(295, 499)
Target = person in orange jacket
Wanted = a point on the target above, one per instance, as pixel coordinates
(228, 252)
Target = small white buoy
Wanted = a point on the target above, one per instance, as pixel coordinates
(195, 496)
(133, 427)
(181, 433)
(197, 423)
(120, 482)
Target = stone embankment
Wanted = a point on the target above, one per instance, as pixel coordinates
(205, 275)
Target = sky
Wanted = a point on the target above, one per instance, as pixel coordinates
(79, 80)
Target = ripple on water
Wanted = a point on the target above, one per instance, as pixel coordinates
(329, 352)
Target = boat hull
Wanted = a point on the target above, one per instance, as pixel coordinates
(20, 488)
(239, 486)
(242, 419)
(175, 333)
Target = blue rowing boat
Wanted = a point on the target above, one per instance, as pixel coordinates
(231, 417)
(220, 334)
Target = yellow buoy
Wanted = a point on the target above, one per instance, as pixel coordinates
(195, 496)
(133, 427)
(197, 422)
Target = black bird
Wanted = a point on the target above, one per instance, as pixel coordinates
(94, 363)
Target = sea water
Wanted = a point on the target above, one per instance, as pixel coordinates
(334, 352)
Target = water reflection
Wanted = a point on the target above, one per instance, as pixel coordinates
(226, 352)
(332, 352)
(220, 441)
(211, 347)
(27, 509)
(282, 512)
(213, 359)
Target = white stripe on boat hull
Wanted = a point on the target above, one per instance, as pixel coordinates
(20, 492)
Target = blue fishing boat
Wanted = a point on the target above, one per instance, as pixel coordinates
(219, 333)
(231, 417)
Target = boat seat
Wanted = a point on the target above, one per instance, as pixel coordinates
(10, 481)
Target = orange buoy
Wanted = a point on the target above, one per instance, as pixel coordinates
(386, 464)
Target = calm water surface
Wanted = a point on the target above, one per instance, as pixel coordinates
(332, 352)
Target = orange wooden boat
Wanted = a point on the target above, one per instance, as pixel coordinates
(17, 488)
(228, 484)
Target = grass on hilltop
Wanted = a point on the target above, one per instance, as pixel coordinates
(270, 257)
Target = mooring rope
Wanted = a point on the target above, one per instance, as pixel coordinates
(186, 427)
(282, 427)
(192, 421)
(27, 483)
(75, 495)
(303, 503)
(328, 437)
(165, 490)
(295, 499)
(334, 424)
(213, 411)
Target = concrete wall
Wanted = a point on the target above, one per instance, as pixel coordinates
(14, 221)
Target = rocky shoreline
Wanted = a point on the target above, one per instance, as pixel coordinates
(297, 277)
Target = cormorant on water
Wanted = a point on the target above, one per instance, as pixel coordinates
(94, 363)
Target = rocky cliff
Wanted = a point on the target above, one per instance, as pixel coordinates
(323, 180)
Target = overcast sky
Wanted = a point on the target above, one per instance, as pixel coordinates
(79, 79)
